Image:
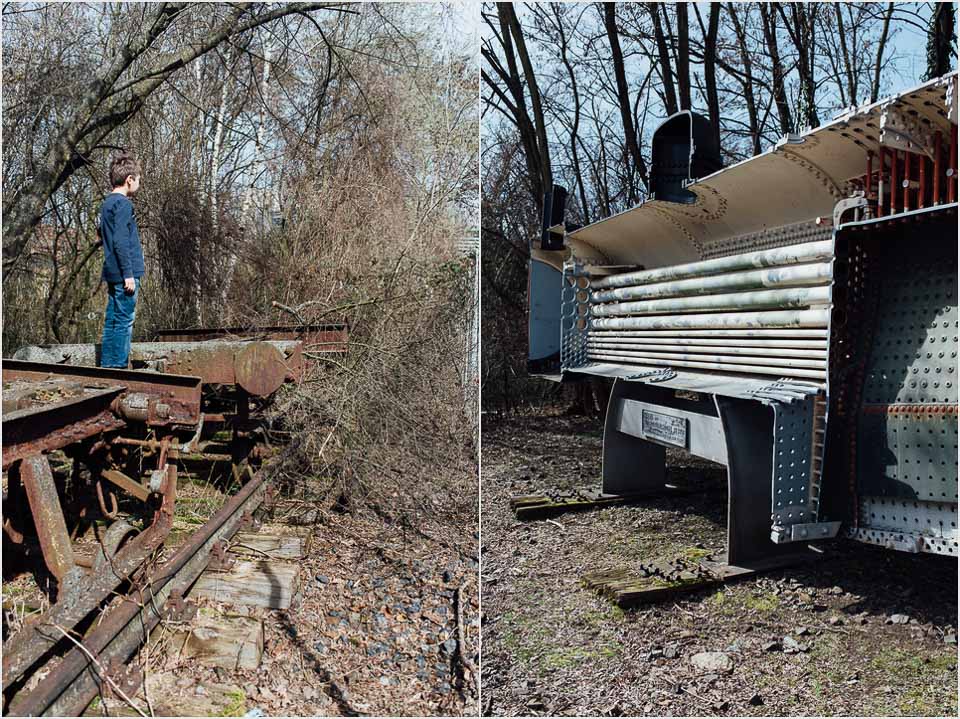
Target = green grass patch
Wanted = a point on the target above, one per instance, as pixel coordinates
(568, 657)
(237, 705)
(763, 603)
(695, 554)
(924, 684)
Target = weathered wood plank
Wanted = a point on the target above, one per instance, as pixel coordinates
(258, 545)
(222, 640)
(262, 583)
(553, 502)
(667, 578)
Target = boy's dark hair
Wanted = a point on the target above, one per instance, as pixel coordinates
(122, 166)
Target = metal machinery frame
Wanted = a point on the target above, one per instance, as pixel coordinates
(88, 447)
(793, 317)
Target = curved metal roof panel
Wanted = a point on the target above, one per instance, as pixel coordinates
(802, 177)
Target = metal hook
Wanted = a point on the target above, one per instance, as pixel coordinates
(109, 514)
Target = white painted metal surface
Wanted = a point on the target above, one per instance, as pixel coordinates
(799, 179)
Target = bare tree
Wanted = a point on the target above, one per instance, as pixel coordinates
(663, 57)
(623, 97)
(112, 98)
(779, 74)
(941, 40)
(509, 36)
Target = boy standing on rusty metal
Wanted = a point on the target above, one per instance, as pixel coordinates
(122, 261)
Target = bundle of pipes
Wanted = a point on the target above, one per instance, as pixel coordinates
(763, 312)
(899, 180)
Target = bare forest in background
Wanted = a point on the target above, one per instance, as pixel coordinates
(571, 94)
(302, 162)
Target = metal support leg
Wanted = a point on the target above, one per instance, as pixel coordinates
(630, 465)
(47, 515)
(748, 429)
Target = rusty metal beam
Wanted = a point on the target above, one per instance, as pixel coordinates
(125, 483)
(31, 430)
(260, 367)
(73, 682)
(331, 337)
(171, 399)
(47, 516)
(35, 640)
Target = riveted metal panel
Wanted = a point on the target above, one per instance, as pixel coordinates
(543, 329)
(908, 419)
(574, 316)
(931, 519)
(904, 541)
(792, 443)
(913, 456)
(914, 355)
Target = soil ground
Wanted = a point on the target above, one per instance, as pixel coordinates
(374, 630)
(876, 628)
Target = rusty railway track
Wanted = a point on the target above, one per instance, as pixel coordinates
(112, 424)
(77, 678)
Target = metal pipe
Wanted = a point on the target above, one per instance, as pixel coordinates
(937, 152)
(767, 299)
(738, 320)
(881, 179)
(793, 276)
(757, 352)
(720, 366)
(922, 192)
(700, 342)
(952, 166)
(790, 255)
(693, 332)
(669, 357)
(906, 181)
(893, 181)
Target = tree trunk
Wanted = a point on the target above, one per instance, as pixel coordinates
(623, 100)
(747, 81)
(801, 31)
(666, 74)
(710, 71)
(218, 147)
(575, 127)
(510, 16)
(881, 45)
(940, 40)
(683, 56)
(845, 54)
(769, 21)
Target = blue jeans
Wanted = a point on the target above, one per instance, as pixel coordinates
(118, 325)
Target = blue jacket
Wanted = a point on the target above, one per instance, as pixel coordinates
(122, 252)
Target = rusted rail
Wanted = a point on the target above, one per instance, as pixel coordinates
(56, 424)
(114, 423)
(76, 679)
(156, 399)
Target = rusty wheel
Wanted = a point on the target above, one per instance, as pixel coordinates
(260, 369)
(117, 534)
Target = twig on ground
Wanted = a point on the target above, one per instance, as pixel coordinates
(553, 521)
(321, 358)
(462, 653)
(252, 549)
(101, 671)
